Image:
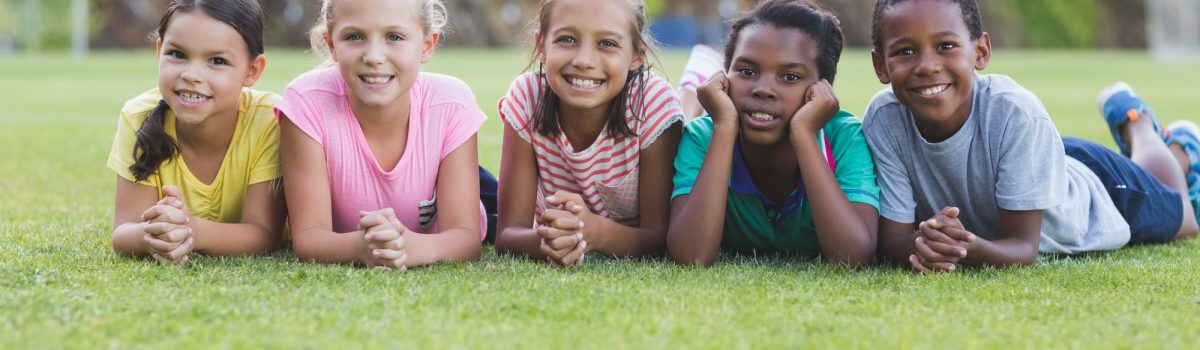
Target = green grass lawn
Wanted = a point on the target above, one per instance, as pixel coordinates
(61, 285)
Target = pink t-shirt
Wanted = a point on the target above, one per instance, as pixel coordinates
(443, 115)
(606, 173)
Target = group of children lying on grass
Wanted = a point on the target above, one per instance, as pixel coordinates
(372, 162)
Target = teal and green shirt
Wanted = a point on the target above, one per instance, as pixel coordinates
(753, 221)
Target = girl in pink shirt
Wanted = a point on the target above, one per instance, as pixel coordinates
(379, 158)
(589, 139)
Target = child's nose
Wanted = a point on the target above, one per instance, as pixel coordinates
(585, 58)
(928, 64)
(374, 55)
(763, 91)
(191, 74)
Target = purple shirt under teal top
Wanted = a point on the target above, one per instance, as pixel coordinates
(755, 222)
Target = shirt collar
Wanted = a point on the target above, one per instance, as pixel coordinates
(741, 182)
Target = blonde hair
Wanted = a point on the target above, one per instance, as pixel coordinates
(434, 23)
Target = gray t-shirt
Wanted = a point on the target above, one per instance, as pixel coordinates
(1007, 155)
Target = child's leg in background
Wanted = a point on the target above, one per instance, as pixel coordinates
(702, 64)
(1153, 211)
(1183, 139)
(487, 195)
(1150, 152)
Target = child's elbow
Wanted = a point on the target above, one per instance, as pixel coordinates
(266, 247)
(851, 254)
(1024, 255)
(472, 253)
(1029, 255)
(507, 243)
(305, 249)
(1028, 259)
(691, 259)
(266, 244)
(855, 261)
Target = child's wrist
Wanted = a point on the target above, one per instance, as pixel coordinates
(365, 253)
(725, 127)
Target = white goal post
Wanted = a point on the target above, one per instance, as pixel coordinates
(1173, 27)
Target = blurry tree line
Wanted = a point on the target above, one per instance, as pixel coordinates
(492, 23)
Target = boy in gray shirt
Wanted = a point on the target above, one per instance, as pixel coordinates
(972, 170)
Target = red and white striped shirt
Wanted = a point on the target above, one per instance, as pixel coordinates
(606, 173)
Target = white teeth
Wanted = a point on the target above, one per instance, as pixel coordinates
(377, 80)
(192, 97)
(585, 83)
(762, 116)
(933, 90)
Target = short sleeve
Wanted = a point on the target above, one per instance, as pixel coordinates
(1030, 148)
(517, 106)
(464, 119)
(896, 201)
(855, 169)
(661, 110)
(120, 156)
(264, 162)
(299, 109)
(697, 134)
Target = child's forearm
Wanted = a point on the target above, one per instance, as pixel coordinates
(450, 245)
(127, 239)
(1001, 253)
(613, 238)
(896, 241)
(694, 234)
(518, 240)
(1017, 244)
(326, 246)
(216, 238)
(846, 235)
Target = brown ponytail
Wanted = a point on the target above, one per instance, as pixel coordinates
(153, 145)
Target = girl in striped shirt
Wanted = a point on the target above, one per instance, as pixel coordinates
(590, 139)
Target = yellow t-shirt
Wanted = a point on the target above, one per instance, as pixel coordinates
(252, 156)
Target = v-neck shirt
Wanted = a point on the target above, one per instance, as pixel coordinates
(251, 157)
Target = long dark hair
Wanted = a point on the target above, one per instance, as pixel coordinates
(545, 119)
(153, 145)
(801, 15)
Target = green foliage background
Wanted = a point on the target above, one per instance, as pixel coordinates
(1024, 23)
(1058, 23)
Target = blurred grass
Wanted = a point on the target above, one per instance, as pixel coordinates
(60, 285)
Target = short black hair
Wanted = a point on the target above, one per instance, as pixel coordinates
(800, 15)
(968, 8)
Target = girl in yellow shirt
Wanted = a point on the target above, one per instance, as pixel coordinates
(197, 158)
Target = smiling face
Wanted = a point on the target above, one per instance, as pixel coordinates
(588, 50)
(379, 46)
(769, 75)
(930, 59)
(203, 64)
